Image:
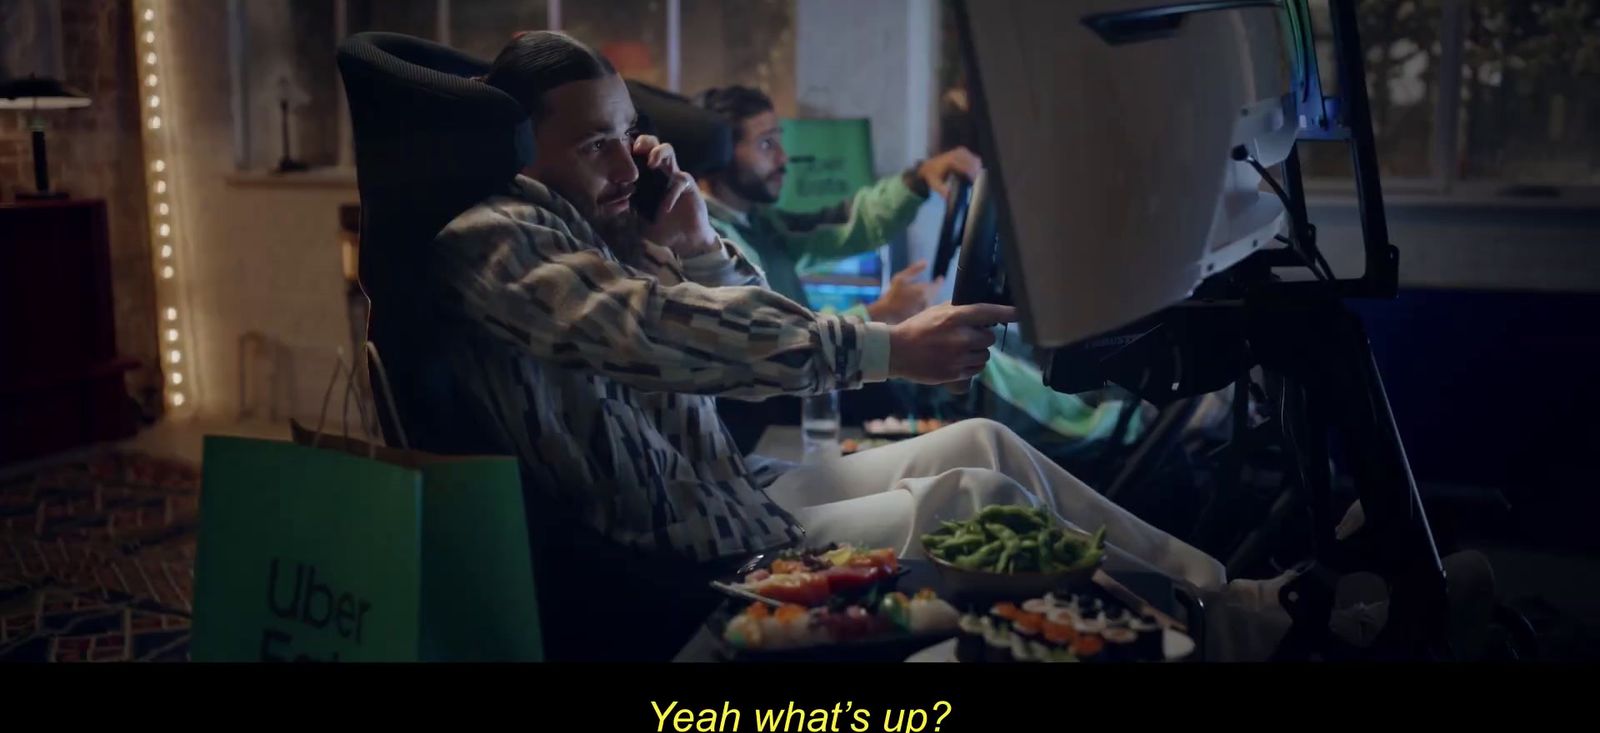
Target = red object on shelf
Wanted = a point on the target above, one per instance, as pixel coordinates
(61, 379)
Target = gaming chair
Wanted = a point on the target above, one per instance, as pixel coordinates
(431, 142)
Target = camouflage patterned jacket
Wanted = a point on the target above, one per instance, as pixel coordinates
(604, 375)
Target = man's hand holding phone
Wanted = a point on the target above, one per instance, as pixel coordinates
(679, 222)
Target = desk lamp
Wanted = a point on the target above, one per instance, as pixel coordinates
(39, 94)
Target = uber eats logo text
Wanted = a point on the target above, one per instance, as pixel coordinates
(307, 606)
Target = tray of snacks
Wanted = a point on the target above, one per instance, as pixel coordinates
(1090, 626)
(834, 603)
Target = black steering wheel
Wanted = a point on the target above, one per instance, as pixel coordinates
(971, 234)
(979, 276)
(955, 221)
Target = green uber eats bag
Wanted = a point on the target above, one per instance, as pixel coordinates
(331, 549)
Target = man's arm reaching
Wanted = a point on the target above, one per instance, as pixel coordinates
(866, 221)
(537, 288)
(876, 213)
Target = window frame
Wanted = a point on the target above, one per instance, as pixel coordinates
(238, 48)
(1443, 186)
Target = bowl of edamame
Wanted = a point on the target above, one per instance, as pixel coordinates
(1012, 552)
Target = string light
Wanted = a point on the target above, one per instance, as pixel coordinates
(157, 145)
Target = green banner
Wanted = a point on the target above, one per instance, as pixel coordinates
(829, 160)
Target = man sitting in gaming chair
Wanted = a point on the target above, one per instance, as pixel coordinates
(602, 342)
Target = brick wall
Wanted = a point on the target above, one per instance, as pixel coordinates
(96, 152)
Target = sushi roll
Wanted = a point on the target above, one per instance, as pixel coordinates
(1090, 624)
(1020, 651)
(1058, 638)
(1120, 644)
(969, 645)
(788, 627)
(930, 614)
(1150, 644)
(1089, 648)
(1062, 616)
(996, 642)
(1039, 651)
(1026, 630)
(747, 630)
(1037, 605)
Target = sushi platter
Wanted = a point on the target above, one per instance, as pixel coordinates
(1004, 634)
(775, 613)
(813, 577)
(837, 602)
(1089, 626)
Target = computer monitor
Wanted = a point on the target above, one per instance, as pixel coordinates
(1118, 136)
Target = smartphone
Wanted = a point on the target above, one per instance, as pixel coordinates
(649, 190)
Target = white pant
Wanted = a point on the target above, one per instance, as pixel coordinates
(890, 496)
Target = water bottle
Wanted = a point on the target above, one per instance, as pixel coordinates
(819, 427)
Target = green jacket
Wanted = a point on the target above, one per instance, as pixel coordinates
(783, 244)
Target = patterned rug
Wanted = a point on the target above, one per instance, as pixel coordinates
(97, 560)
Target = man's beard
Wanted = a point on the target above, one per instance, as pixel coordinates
(749, 187)
(623, 233)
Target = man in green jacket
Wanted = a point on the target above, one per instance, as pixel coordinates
(740, 198)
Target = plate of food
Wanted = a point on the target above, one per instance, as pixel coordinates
(880, 627)
(1090, 626)
(849, 446)
(900, 428)
(813, 577)
(1007, 551)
